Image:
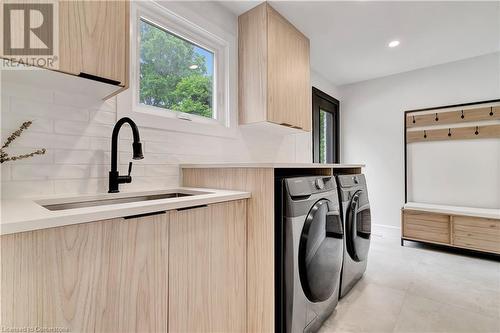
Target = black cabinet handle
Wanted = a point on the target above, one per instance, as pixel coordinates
(188, 208)
(98, 78)
(144, 215)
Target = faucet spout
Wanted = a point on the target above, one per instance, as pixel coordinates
(114, 178)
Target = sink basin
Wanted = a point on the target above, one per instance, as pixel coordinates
(114, 201)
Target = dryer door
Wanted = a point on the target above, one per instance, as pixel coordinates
(320, 251)
(358, 226)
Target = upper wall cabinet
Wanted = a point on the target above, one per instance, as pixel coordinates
(93, 42)
(274, 70)
(93, 39)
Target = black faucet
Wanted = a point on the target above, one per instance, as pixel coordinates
(114, 178)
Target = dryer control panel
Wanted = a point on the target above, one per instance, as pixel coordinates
(305, 186)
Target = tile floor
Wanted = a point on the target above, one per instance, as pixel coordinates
(417, 288)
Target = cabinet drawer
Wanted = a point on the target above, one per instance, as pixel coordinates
(477, 244)
(426, 226)
(477, 223)
(476, 233)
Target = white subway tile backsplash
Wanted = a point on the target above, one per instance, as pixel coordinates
(91, 157)
(77, 186)
(48, 140)
(5, 172)
(80, 101)
(32, 172)
(29, 188)
(103, 117)
(25, 92)
(51, 111)
(81, 128)
(105, 144)
(161, 170)
(76, 131)
(11, 122)
(47, 158)
(5, 104)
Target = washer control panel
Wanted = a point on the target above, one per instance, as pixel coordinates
(305, 186)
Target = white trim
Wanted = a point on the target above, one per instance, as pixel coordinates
(224, 48)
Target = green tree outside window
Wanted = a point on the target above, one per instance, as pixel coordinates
(174, 73)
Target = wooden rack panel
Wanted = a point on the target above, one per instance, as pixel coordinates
(457, 133)
(453, 117)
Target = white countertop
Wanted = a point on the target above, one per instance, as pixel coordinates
(20, 215)
(271, 165)
(490, 213)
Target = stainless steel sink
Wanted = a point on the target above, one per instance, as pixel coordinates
(114, 201)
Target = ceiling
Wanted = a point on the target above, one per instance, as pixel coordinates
(349, 39)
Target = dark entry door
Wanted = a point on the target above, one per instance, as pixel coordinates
(326, 135)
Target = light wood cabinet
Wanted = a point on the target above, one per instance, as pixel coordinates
(428, 226)
(475, 233)
(106, 276)
(274, 70)
(177, 271)
(94, 38)
(207, 280)
(93, 42)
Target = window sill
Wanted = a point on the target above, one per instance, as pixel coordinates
(184, 126)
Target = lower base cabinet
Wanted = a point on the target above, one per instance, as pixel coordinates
(207, 280)
(179, 271)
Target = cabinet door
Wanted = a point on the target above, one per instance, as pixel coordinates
(289, 87)
(207, 277)
(107, 276)
(93, 38)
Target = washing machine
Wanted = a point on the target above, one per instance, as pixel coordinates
(356, 216)
(309, 252)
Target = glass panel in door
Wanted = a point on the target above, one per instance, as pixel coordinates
(326, 135)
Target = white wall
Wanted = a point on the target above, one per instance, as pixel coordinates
(76, 132)
(458, 173)
(372, 122)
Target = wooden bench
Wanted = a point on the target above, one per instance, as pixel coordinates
(469, 228)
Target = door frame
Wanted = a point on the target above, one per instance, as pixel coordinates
(320, 98)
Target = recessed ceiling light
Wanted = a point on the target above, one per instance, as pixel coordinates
(394, 43)
(193, 66)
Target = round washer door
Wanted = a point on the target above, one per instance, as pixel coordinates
(358, 227)
(320, 251)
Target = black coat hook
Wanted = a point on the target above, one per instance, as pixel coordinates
(491, 111)
(462, 116)
(477, 130)
(414, 119)
(437, 118)
(425, 134)
(449, 131)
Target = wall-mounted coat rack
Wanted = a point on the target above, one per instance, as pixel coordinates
(469, 113)
(454, 133)
(427, 125)
(453, 117)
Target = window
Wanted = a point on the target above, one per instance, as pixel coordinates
(183, 70)
(326, 136)
(175, 74)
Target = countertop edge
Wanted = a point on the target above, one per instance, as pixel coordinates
(125, 210)
(271, 165)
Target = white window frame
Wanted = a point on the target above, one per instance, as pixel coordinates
(150, 116)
